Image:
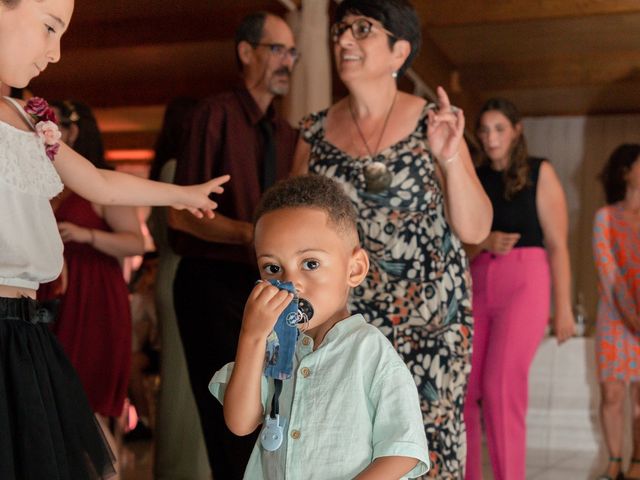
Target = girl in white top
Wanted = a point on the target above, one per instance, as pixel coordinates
(47, 429)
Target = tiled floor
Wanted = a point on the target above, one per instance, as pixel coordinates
(541, 464)
(566, 465)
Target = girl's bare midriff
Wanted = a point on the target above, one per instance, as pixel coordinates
(16, 292)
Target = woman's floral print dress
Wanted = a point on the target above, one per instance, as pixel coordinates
(418, 290)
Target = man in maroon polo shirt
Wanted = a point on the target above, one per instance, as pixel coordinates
(238, 133)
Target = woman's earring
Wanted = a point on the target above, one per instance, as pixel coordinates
(394, 74)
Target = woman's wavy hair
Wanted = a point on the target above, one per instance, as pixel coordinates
(615, 170)
(516, 175)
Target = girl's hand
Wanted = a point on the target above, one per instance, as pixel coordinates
(445, 128)
(263, 308)
(500, 243)
(70, 232)
(195, 198)
(564, 325)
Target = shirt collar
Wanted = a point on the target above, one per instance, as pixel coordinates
(250, 107)
(343, 327)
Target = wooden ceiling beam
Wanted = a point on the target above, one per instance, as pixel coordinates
(435, 69)
(95, 10)
(131, 32)
(623, 97)
(581, 70)
(141, 75)
(464, 12)
(199, 23)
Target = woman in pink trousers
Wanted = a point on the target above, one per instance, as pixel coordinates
(513, 270)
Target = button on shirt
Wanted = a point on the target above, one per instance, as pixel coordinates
(349, 402)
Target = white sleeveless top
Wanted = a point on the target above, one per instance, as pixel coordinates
(30, 244)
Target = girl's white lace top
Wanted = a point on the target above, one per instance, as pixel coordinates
(30, 245)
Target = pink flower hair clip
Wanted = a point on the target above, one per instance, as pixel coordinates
(46, 125)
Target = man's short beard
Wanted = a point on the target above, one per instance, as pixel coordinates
(279, 90)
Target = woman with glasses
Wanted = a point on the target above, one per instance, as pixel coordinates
(407, 169)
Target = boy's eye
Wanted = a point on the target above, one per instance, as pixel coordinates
(271, 269)
(310, 264)
(50, 29)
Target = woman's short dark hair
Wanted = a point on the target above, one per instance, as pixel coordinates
(89, 142)
(614, 172)
(516, 174)
(397, 16)
(311, 191)
(250, 30)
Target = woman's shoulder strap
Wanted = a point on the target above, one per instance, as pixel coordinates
(18, 108)
(312, 126)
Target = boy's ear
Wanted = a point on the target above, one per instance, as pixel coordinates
(358, 268)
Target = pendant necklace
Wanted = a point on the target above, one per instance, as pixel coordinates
(376, 174)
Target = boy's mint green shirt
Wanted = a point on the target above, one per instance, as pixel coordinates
(351, 401)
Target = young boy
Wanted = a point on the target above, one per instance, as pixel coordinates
(351, 405)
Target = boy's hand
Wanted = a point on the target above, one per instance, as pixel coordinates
(264, 306)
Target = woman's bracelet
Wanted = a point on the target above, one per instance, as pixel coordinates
(450, 159)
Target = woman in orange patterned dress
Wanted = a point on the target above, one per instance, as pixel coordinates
(616, 243)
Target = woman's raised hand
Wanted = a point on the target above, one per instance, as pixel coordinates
(445, 128)
(195, 198)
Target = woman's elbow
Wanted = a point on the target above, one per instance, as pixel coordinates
(474, 235)
(475, 230)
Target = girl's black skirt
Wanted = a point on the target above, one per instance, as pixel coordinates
(47, 428)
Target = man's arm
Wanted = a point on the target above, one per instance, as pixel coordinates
(199, 160)
(219, 229)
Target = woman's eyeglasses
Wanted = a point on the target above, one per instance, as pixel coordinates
(279, 50)
(360, 29)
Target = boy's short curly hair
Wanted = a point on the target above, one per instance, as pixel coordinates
(310, 191)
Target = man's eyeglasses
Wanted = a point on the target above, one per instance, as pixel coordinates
(279, 50)
(360, 29)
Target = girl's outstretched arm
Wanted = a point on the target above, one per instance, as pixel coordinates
(107, 187)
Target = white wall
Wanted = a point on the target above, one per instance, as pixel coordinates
(578, 147)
